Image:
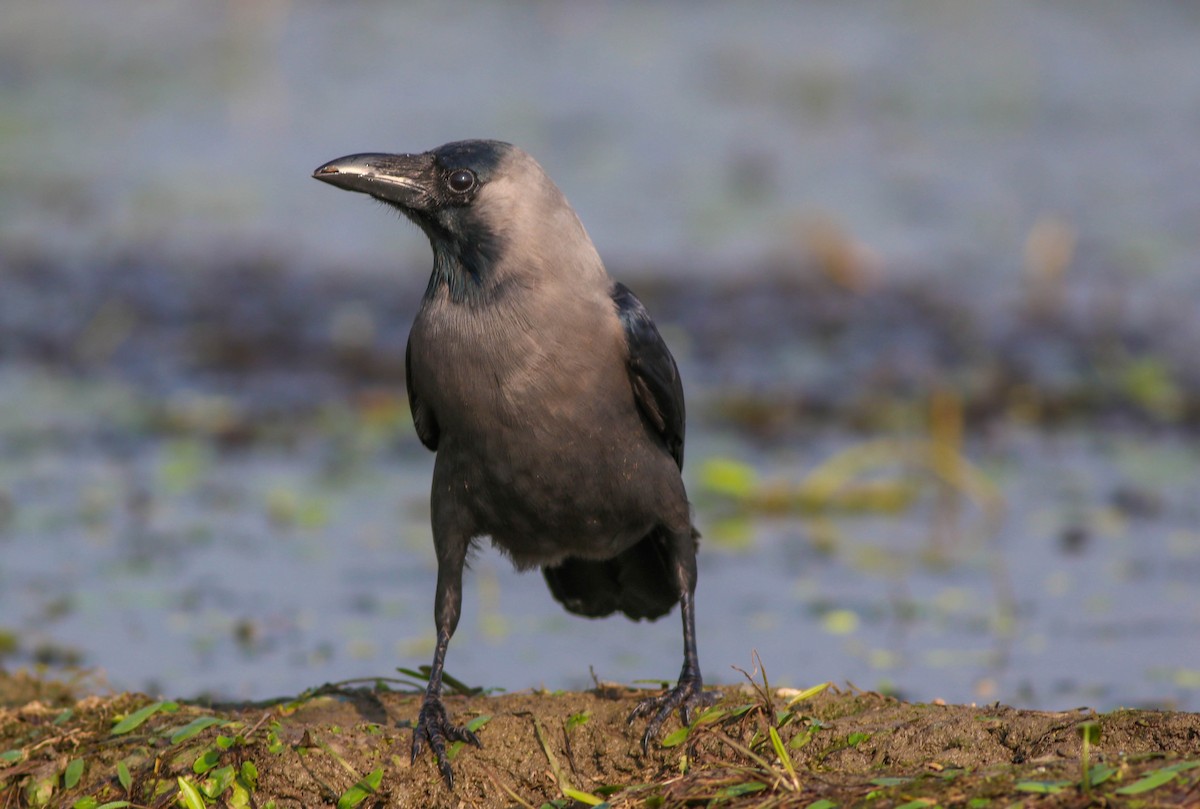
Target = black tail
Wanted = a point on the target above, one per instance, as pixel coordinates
(638, 582)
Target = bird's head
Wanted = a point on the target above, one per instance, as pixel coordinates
(489, 210)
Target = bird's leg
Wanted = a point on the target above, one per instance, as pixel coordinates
(688, 694)
(433, 725)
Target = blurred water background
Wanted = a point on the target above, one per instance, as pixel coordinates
(929, 268)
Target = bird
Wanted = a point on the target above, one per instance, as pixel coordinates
(554, 407)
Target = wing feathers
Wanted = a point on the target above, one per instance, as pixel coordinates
(652, 372)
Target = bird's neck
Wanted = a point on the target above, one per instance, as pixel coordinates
(461, 284)
(463, 268)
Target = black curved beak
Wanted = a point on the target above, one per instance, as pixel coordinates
(405, 180)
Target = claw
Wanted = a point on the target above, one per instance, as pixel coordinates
(687, 695)
(434, 727)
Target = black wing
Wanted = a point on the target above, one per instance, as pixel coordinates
(652, 372)
(422, 416)
(638, 581)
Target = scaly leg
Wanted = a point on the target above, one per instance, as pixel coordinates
(432, 724)
(688, 694)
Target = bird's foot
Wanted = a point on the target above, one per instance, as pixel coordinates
(687, 695)
(434, 727)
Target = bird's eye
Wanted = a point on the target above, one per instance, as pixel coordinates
(461, 181)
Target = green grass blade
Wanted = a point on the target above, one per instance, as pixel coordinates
(356, 794)
(782, 752)
(1042, 787)
(139, 716)
(808, 693)
(478, 722)
(1154, 780)
(123, 775)
(1099, 774)
(676, 738)
(73, 773)
(194, 727)
(582, 797)
(1183, 765)
(710, 715)
(189, 795)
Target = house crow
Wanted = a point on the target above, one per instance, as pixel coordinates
(553, 405)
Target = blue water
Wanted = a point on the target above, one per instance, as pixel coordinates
(174, 567)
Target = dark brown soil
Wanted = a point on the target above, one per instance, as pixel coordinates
(844, 747)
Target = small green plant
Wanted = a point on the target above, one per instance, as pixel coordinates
(194, 727)
(134, 720)
(189, 794)
(1089, 734)
(124, 777)
(367, 785)
(1157, 778)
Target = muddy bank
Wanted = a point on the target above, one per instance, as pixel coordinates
(758, 747)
